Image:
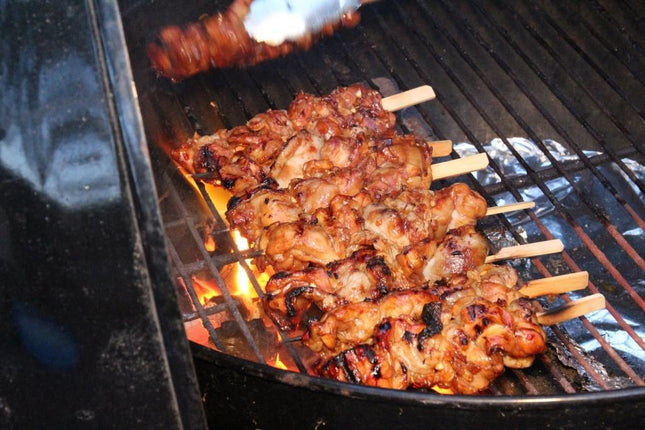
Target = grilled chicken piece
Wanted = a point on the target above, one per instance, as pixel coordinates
(312, 136)
(280, 288)
(460, 250)
(349, 111)
(363, 276)
(296, 245)
(319, 192)
(221, 40)
(239, 159)
(387, 166)
(402, 162)
(351, 324)
(301, 148)
(403, 357)
(259, 209)
(461, 342)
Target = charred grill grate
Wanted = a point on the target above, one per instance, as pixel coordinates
(570, 72)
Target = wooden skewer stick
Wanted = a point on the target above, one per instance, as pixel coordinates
(512, 207)
(441, 148)
(529, 250)
(555, 285)
(494, 210)
(459, 166)
(572, 310)
(408, 98)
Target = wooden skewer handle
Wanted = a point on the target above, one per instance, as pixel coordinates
(494, 210)
(459, 166)
(572, 310)
(408, 98)
(528, 250)
(556, 285)
(441, 148)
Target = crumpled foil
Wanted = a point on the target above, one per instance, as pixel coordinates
(574, 197)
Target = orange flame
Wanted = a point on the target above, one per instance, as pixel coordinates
(205, 289)
(442, 390)
(278, 364)
(219, 196)
(237, 279)
(209, 243)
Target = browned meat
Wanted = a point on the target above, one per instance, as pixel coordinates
(349, 111)
(261, 208)
(351, 324)
(296, 245)
(460, 250)
(239, 159)
(363, 276)
(353, 285)
(220, 40)
(301, 142)
(404, 229)
(318, 193)
(460, 342)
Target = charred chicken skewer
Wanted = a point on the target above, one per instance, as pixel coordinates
(290, 293)
(459, 338)
(366, 276)
(351, 324)
(347, 129)
(345, 223)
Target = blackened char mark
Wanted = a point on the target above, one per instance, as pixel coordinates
(381, 272)
(281, 275)
(208, 160)
(291, 297)
(233, 202)
(431, 316)
(229, 183)
(476, 311)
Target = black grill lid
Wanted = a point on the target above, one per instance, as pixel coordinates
(89, 335)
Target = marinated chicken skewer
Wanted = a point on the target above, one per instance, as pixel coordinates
(405, 240)
(343, 223)
(289, 294)
(351, 324)
(347, 129)
(460, 340)
(222, 40)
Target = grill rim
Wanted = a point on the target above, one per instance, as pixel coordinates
(408, 397)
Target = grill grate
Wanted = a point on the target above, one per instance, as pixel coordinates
(570, 72)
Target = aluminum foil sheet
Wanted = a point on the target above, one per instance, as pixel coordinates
(583, 196)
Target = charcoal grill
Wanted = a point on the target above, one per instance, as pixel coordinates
(506, 75)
